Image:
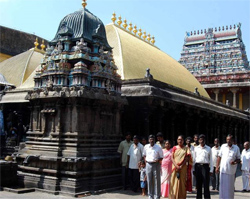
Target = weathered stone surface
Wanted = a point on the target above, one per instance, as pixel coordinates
(8, 173)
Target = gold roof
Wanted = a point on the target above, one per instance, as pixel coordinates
(29, 82)
(17, 69)
(133, 56)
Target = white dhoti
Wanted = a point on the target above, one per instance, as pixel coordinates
(245, 180)
(226, 186)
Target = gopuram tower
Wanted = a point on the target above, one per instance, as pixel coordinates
(217, 58)
(74, 128)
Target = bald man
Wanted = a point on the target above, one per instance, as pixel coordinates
(245, 167)
(228, 158)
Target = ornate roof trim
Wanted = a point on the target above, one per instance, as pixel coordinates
(218, 33)
(121, 54)
(26, 65)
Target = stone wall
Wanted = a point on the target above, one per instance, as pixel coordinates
(72, 143)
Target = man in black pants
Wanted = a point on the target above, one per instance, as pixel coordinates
(203, 167)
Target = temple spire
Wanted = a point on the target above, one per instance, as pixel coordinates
(125, 24)
(36, 43)
(140, 33)
(129, 27)
(42, 45)
(84, 3)
(119, 22)
(113, 18)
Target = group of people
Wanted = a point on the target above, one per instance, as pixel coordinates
(187, 167)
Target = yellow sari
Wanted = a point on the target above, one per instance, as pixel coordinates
(178, 186)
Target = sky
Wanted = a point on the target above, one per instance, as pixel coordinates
(167, 20)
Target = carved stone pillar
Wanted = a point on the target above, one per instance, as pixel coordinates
(234, 91)
(218, 132)
(70, 109)
(78, 122)
(31, 119)
(54, 123)
(160, 115)
(38, 118)
(240, 101)
(146, 116)
(44, 122)
(173, 129)
(224, 98)
(216, 92)
(58, 129)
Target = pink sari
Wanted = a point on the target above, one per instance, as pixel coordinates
(166, 168)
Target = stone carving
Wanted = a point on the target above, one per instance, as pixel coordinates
(148, 75)
(54, 52)
(45, 91)
(59, 47)
(81, 46)
(73, 91)
(49, 50)
(49, 84)
(196, 91)
(101, 51)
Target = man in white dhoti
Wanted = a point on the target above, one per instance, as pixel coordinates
(245, 167)
(228, 158)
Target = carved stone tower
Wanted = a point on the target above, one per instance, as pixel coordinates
(75, 112)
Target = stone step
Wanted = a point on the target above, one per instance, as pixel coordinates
(19, 190)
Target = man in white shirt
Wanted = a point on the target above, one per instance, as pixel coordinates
(228, 158)
(195, 144)
(215, 178)
(123, 150)
(134, 156)
(245, 167)
(203, 167)
(153, 155)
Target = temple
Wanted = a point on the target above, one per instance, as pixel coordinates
(91, 84)
(75, 112)
(217, 58)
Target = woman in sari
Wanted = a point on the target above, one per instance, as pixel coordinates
(189, 164)
(180, 156)
(166, 169)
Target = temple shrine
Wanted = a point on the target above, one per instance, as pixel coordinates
(75, 112)
(217, 58)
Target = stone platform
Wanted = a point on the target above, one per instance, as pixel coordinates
(118, 194)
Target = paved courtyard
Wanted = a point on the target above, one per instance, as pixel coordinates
(119, 194)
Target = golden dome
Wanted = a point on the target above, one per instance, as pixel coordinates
(18, 68)
(29, 82)
(133, 56)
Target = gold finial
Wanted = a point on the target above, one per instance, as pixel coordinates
(148, 38)
(130, 28)
(153, 40)
(135, 29)
(36, 43)
(113, 18)
(144, 35)
(42, 45)
(119, 22)
(140, 33)
(84, 3)
(125, 24)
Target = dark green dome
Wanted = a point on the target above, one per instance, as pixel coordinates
(82, 24)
